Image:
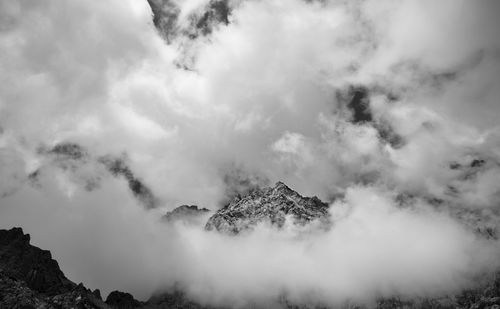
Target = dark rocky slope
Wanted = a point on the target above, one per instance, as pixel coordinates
(30, 278)
(21, 261)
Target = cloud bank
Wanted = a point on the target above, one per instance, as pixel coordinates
(392, 105)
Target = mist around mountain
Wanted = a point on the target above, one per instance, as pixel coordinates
(31, 278)
(249, 154)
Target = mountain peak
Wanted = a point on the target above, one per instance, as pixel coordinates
(13, 234)
(273, 205)
(281, 187)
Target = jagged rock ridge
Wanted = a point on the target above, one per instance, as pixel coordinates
(36, 267)
(271, 205)
(30, 278)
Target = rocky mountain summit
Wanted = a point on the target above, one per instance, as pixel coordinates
(273, 205)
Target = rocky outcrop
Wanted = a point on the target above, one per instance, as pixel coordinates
(16, 294)
(24, 262)
(273, 205)
(122, 300)
(30, 278)
(189, 214)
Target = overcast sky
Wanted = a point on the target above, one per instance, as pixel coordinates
(262, 99)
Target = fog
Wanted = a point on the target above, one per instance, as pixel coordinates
(264, 98)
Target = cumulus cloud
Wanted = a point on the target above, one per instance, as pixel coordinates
(269, 96)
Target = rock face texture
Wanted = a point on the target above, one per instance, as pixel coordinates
(20, 260)
(30, 278)
(273, 205)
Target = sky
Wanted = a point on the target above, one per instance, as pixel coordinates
(268, 97)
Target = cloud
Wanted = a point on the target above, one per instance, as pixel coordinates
(267, 97)
(374, 249)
